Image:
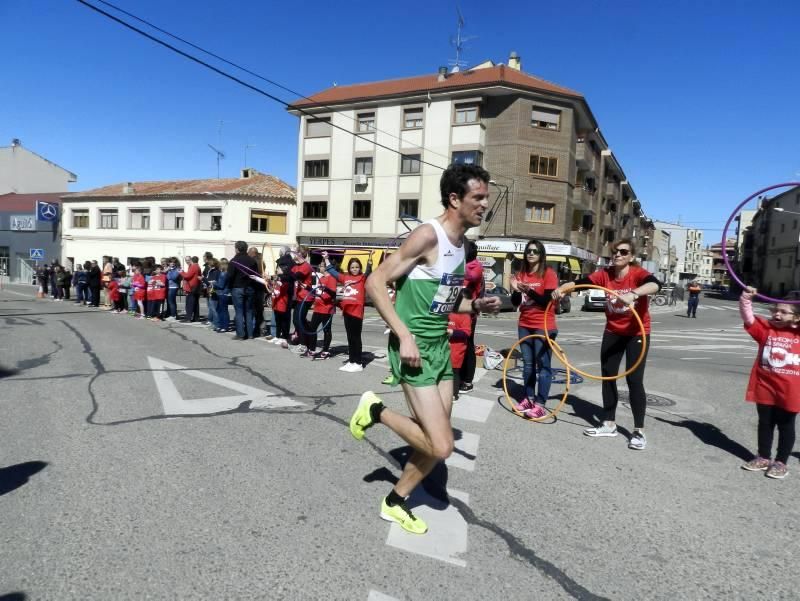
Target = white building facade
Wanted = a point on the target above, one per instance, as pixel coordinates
(25, 172)
(181, 218)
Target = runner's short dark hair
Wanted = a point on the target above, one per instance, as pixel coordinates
(456, 179)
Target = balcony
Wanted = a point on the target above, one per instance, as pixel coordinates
(612, 189)
(609, 220)
(584, 156)
(582, 198)
(580, 238)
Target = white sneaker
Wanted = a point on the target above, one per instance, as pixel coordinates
(603, 429)
(278, 341)
(352, 367)
(300, 349)
(637, 442)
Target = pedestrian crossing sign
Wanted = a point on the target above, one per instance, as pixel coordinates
(37, 254)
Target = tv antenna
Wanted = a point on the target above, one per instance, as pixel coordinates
(458, 42)
(220, 155)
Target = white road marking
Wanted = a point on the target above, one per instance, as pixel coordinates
(479, 373)
(446, 538)
(175, 404)
(376, 596)
(467, 444)
(695, 358)
(472, 408)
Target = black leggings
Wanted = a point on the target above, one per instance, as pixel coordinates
(300, 321)
(770, 417)
(352, 326)
(611, 351)
(317, 319)
(282, 320)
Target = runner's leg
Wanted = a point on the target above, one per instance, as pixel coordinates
(611, 350)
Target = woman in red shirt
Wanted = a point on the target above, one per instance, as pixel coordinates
(622, 335)
(536, 283)
(354, 296)
(774, 380)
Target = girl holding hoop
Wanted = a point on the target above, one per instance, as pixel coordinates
(324, 307)
(622, 335)
(352, 302)
(536, 282)
(774, 380)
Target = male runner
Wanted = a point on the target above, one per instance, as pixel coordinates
(429, 273)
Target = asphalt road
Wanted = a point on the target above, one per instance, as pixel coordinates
(141, 460)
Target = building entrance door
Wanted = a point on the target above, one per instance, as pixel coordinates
(26, 271)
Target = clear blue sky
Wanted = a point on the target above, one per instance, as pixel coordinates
(698, 100)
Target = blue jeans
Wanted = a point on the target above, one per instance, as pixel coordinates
(243, 308)
(691, 305)
(213, 303)
(536, 356)
(172, 302)
(223, 316)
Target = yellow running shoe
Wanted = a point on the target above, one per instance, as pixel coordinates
(403, 516)
(362, 417)
(388, 380)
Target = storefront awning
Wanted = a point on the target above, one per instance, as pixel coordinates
(574, 265)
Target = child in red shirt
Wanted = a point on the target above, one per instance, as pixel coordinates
(774, 381)
(156, 293)
(459, 326)
(324, 306)
(114, 295)
(139, 286)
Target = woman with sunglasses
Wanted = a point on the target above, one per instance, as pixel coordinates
(536, 282)
(622, 335)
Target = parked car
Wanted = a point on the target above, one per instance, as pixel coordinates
(594, 300)
(504, 296)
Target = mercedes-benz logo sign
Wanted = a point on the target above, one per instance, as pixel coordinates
(48, 211)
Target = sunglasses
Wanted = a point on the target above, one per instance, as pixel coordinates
(622, 251)
(532, 251)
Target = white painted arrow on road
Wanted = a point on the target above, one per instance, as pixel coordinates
(175, 404)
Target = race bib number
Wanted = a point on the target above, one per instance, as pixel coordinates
(444, 300)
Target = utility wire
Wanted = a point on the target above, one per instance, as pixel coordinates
(240, 81)
(270, 81)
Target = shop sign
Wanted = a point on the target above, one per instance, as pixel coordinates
(486, 261)
(23, 223)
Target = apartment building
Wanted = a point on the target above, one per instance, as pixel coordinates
(177, 218)
(770, 257)
(22, 171)
(688, 245)
(371, 153)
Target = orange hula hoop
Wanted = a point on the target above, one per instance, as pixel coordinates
(559, 353)
(512, 406)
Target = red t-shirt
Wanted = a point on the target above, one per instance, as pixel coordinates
(303, 276)
(157, 287)
(775, 377)
(191, 277)
(280, 296)
(619, 319)
(461, 324)
(354, 294)
(324, 300)
(113, 290)
(139, 286)
(531, 315)
(473, 278)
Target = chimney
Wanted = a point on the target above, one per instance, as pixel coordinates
(514, 61)
(247, 173)
(128, 188)
(442, 73)
(15, 142)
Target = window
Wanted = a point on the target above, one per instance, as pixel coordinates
(410, 163)
(794, 224)
(140, 219)
(171, 219)
(783, 227)
(362, 209)
(545, 118)
(268, 222)
(316, 168)
(547, 166)
(539, 212)
(209, 220)
(466, 113)
(80, 218)
(779, 262)
(773, 241)
(364, 166)
(317, 128)
(108, 219)
(409, 207)
(467, 157)
(366, 122)
(412, 118)
(315, 209)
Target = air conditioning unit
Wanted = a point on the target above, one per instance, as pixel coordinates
(360, 180)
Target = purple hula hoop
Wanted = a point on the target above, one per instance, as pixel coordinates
(733, 274)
